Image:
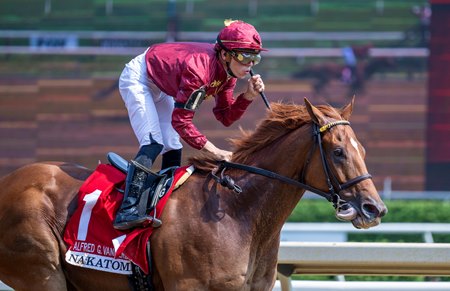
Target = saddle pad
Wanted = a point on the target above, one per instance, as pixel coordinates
(90, 236)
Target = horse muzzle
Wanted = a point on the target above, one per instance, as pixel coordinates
(367, 215)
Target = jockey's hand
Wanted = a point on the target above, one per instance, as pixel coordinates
(220, 155)
(255, 86)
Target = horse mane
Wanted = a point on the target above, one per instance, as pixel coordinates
(282, 119)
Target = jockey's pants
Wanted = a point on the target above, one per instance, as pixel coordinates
(149, 109)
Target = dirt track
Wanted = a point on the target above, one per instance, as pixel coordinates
(62, 120)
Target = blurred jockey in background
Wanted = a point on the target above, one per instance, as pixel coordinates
(349, 71)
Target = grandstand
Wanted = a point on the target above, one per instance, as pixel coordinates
(56, 93)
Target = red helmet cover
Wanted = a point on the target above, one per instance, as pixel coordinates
(240, 35)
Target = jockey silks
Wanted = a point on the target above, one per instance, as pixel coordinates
(178, 69)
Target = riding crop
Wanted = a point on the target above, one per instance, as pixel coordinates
(262, 95)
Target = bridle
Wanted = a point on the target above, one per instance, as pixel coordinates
(334, 186)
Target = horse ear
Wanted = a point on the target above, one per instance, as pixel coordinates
(316, 116)
(347, 110)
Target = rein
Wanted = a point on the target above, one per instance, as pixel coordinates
(331, 196)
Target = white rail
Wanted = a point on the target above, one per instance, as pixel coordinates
(273, 52)
(412, 259)
(415, 259)
(307, 285)
(323, 250)
(207, 35)
(67, 42)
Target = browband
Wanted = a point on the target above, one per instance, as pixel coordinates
(331, 124)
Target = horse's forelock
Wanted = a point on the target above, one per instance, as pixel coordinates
(330, 112)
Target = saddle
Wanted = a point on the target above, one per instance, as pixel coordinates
(157, 188)
(89, 234)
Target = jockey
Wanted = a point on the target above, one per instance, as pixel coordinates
(349, 71)
(164, 86)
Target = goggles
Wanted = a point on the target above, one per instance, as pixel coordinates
(246, 58)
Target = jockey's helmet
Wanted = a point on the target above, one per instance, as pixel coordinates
(238, 35)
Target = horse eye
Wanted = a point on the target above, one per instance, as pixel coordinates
(338, 152)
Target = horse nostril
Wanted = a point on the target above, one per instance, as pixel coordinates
(383, 211)
(371, 211)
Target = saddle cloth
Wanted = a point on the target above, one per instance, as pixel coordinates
(90, 236)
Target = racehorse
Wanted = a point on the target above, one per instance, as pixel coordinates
(213, 237)
(324, 72)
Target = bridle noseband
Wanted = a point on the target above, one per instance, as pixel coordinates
(333, 192)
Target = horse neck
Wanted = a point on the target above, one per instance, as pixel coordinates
(267, 202)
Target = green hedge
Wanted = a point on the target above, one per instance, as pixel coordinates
(319, 210)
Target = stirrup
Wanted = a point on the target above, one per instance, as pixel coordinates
(125, 225)
(156, 222)
(142, 167)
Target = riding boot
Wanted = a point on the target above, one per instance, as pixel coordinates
(133, 211)
(171, 159)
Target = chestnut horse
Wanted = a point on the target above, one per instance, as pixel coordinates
(212, 237)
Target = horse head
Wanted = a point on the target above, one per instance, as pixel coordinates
(344, 173)
(329, 163)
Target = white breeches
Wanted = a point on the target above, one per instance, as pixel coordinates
(149, 109)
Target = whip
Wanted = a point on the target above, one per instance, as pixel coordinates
(262, 94)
